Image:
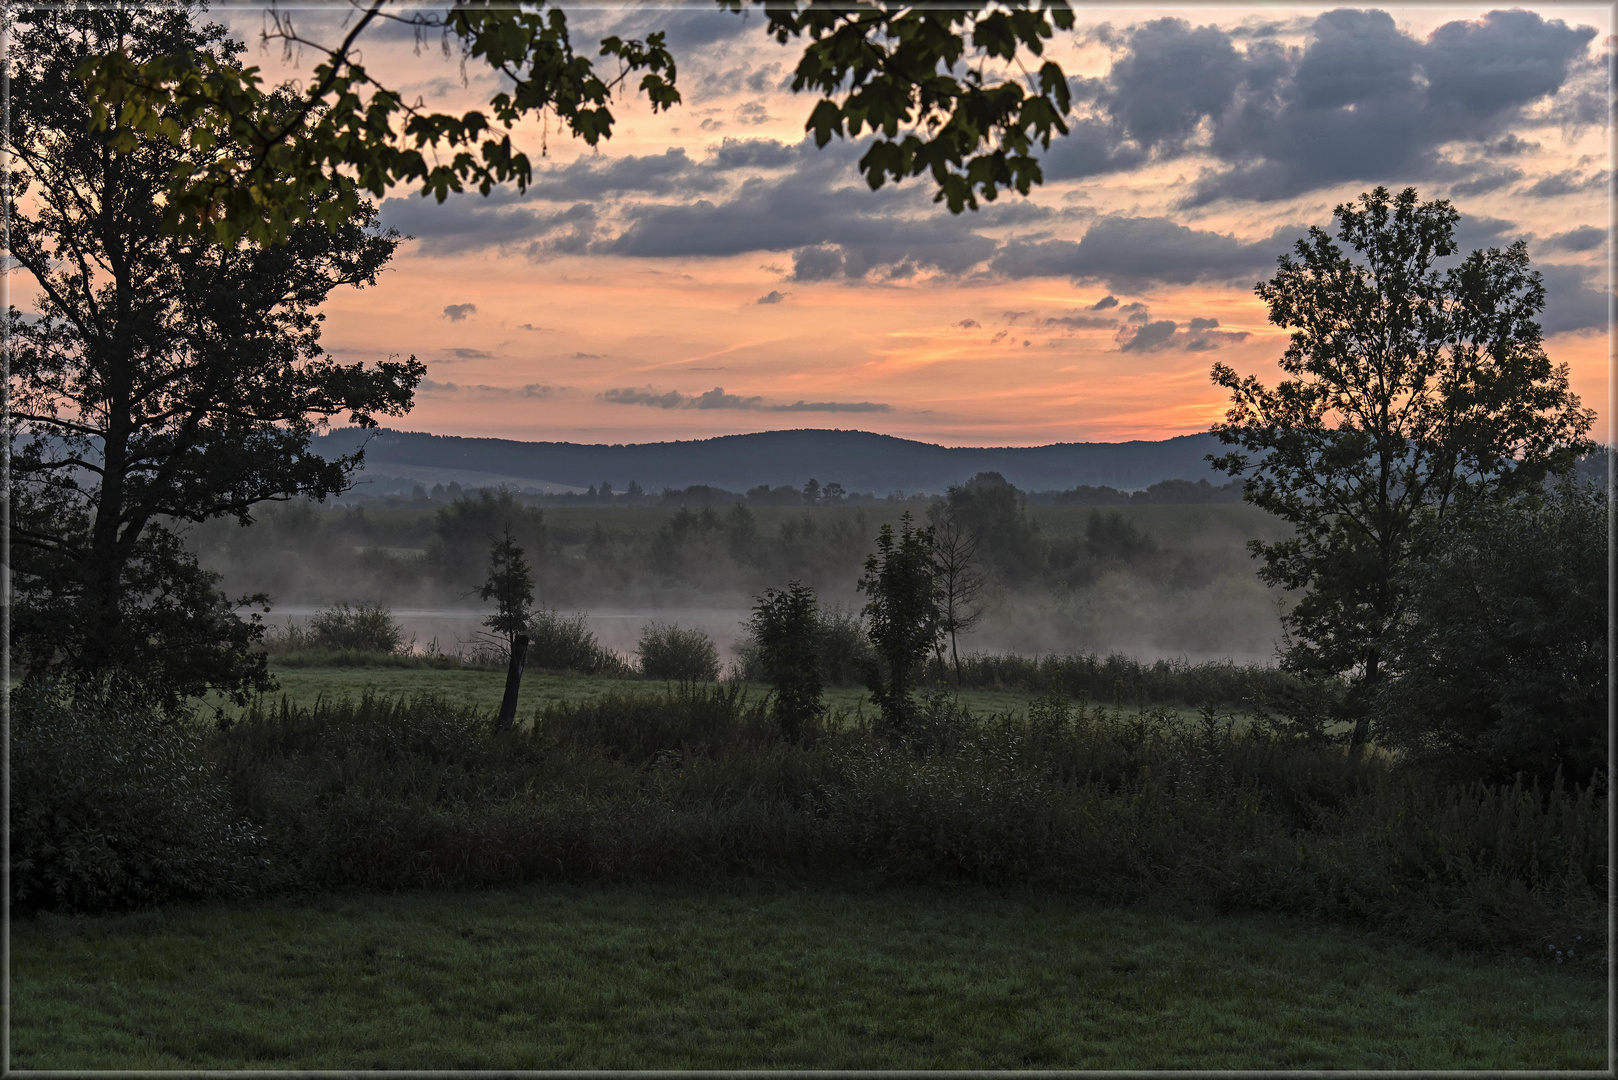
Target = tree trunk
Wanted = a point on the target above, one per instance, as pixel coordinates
(956, 656)
(508, 704)
(1362, 704)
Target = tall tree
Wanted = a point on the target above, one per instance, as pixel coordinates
(161, 380)
(1414, 398)
(902, 617)
(945, 90)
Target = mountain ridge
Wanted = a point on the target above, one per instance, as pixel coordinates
(859, 460)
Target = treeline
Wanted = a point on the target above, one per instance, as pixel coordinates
(434, 554)
(393, 493)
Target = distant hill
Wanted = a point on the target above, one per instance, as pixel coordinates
(859, 460)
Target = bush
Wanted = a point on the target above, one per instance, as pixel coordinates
(1501, 667)
(565, 643)
(698, 783)
(784, 628)
(114, 804)
(671, 653)
(368, 628)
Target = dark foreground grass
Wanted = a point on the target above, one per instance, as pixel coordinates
(758, 977)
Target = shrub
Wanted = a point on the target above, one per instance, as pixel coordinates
(845, 650)
(1501, 667)
(565, 643)
(698, 783)
(669, 652)
(114, 804)
(366, 628)
(785, 627)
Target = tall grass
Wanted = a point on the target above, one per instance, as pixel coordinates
(1123, 680)
(698, 783)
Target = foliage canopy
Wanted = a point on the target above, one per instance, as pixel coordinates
(1414, 398)
(164, 379)
(249, 162)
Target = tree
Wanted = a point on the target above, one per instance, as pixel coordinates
(163, 380)
(786, 628)
(903, 617)
(1499, 666)
(1415, 398)
(960, 577)
(937, 105)
(510, 585)
(995, 513)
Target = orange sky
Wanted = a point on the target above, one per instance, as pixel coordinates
(540, 342)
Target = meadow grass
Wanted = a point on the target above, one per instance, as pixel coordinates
(751, 976)
(303, 685)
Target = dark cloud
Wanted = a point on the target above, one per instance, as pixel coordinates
(1568, 182)
(1159, 335)
(631, 396)
(1149, 337)
(458, 312)
(1362, 101)
(1080, 322)
(1130, 253)
(1108, 301)
(968, 324)
(470, 222)
(718, 399)
(1571, 305)
(1486, 182)
(473, 354)
(531, 326)
(1507, 145)
(531, 390)
(1584, 238)
(670, 172)
(772, 297)
(832, 230)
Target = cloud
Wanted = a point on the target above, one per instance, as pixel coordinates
(718, 399)
(630, 396)
(772, 297)
(1584, 238)
(1080, 322)
(472, 354)
(968, 324)
(832, 406)
(1108, 301)
(1567, 182)
(472, 222)
(531, 326)
(459, 312)
(1571, 305)
(1361, 101)
(1486, 182)
(1158, 335)
(531, 390)
(1132, 253)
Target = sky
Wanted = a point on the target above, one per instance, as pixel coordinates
(709, 271)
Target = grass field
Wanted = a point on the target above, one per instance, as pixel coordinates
(303, 685)
(755, 977)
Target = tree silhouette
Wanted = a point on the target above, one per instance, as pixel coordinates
(1414, 398)
(163, 380)
(902, 616)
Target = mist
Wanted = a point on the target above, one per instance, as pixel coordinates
(1148, 582)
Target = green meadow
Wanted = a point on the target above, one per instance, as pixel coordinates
(756, 977)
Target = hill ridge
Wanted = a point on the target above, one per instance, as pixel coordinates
(859, 460)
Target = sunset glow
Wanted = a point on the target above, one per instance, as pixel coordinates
(711, 272)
